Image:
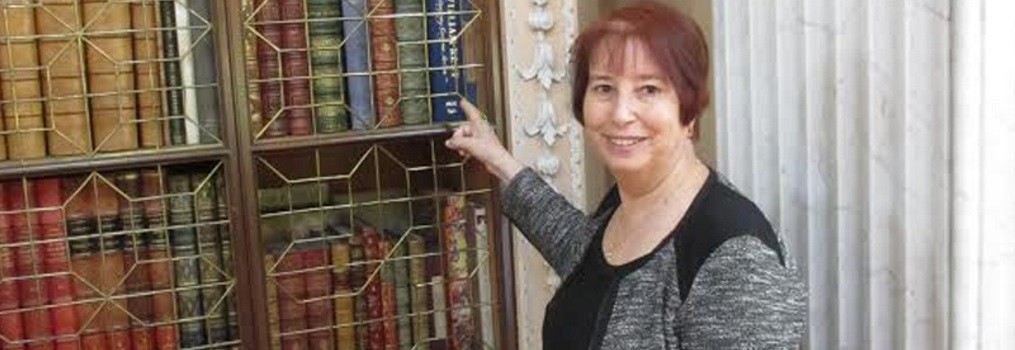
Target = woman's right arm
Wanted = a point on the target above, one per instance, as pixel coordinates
(554, 226)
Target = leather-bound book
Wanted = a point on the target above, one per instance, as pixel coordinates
(445, 56)
(19, 81)
(115, 321)
(384, 61)
(269, 67)
(147, 75)
(135, 251)
(66, 107)
(357, 65)
(183, 244)
(28, 263)
(418, 292)
(160, 269)
(11, 327)
(292, 291)
(411, 33)
(345, 336)
(318, 286)
(325, 32)
(456, 261)
(47, 197)
(208, 238)
(86, 261)
(110, 78)
(296, 68)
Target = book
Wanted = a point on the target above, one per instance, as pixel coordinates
(473, 45)
(443, 29)
(110, 78)
(66, 109)
(400, 269)
(19, 81)
(325, 33)
(147, 73)
(226, 255)
(59, 287)
(269, 67)
(171, 74)
(271, 303)
(188, 76)
(456, 259)
(292, 291)
(160, 268)
(115, 321)
(316, 259)
(11, 327)
(205, 67)
(209, 238)
(183, 244)
(480, 233)
(418, 292)
(384, 63)
(389, 303)
(135, 252)
(357, 65)
(357, 280)
(412, 61)
(296, 68)
(253, 75)
(29, 264)
(345, 335)
(86, 260)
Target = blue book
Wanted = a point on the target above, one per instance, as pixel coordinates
(444, 23)
(357, 64)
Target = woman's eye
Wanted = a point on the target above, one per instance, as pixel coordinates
(602, 88)
(650, 89)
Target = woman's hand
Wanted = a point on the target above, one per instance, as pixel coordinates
(477, 139)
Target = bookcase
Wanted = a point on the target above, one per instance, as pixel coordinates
(255, 174)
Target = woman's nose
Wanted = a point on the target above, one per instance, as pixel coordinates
(624, 110)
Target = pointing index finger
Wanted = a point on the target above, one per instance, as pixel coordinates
(472, 114)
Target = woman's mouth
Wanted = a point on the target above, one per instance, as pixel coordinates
(625, 141)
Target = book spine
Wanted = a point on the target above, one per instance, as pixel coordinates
(272, 303)
(296, 68)
(110, 47)
(440, 305)
(56, 262)
(205, 68)
(135, 251)
(291, 292)
(269, 67)
(412, 61)
(147, 73)
(250, 42)
(389, 303)
(325, 33)
(11, 327)
(375, 303)
(86, 260)
(357, 281)
(28, 263)
(384, 60)
(456, 254)
(160, 269)
(171, 76)
(400, 269)
(115, 322)
(183, 243)
(226, 256)
(357, 65)
(478, 223)
(188, 77)
(345, 336)
(473, 45)
(443, 27)
(20, 82)
(206, 206)
(419, 299)
(318, 284)
(58, 50)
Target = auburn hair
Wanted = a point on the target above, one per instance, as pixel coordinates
(671, 39)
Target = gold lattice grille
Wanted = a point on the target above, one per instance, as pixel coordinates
(85, 77)
(134, 259)
(383, 245)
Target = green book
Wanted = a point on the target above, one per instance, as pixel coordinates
(326, 61)
(412, 59)
(208, 239)
(183, 245)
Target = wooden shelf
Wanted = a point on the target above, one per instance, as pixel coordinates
(59, 166)
(356, 136)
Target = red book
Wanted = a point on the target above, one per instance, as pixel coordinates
(375, 303)
(115, 321)
(318, 284)
(292, 291)
(55, 260)
(456, 259)
(389, 303)
(268, 67)
(135, 250)
(86, 262)
(384, 57)
(296, 68)
(28, 262)
(11, 327)
(160, 270)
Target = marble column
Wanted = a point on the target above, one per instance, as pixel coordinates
(834, 116)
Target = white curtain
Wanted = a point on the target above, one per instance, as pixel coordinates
(836, 118)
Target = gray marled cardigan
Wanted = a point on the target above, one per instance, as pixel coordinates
(742, 296)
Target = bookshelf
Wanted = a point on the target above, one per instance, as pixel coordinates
(200, 174)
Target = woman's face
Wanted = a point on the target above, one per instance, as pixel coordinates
(632, 114)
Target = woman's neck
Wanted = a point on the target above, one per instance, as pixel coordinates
(681, 178)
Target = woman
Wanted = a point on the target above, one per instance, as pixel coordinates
(673, 258)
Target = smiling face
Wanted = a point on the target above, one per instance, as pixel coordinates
(632, 112)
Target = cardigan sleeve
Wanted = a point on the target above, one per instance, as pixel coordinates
(558, 230)
(743, 297)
